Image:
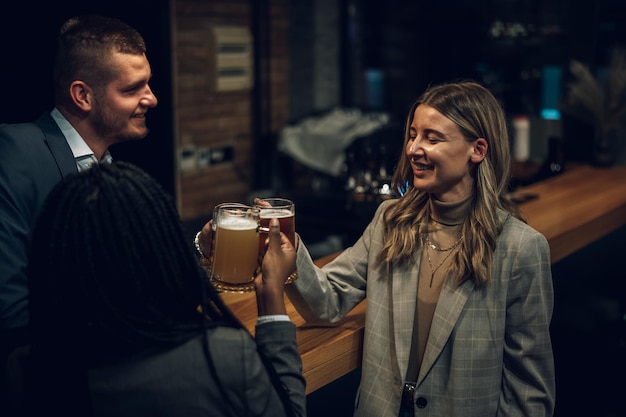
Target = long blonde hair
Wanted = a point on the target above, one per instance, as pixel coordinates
(478, 114)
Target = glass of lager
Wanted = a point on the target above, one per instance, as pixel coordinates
(236, 248)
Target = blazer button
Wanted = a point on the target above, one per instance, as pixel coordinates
(421, 402)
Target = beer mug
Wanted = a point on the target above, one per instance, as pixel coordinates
(279, 208)
(236, 247)
(285, 211)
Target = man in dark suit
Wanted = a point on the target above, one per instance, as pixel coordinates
(102, 95)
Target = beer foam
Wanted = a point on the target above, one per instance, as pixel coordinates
(276, 213)
(237, 223)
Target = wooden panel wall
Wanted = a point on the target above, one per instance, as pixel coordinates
(204, 117)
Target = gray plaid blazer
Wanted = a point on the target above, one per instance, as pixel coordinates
(489, 351)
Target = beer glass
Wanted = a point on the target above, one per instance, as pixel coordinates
(235, 252)
(282, 209)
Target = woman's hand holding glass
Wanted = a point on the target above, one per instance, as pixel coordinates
(279, 261)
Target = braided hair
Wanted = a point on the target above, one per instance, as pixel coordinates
(112, 275)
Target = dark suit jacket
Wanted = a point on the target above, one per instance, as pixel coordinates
(33, 158)
(178, 382)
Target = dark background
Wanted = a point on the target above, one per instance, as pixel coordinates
(414, 43)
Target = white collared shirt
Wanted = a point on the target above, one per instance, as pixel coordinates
(77, 144)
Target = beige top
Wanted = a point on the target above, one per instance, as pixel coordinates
(446, 220)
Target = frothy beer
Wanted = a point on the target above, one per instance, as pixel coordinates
(236, 249)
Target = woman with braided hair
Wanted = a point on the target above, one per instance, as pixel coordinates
(117, 329)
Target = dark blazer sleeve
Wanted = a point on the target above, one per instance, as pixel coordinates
(33, 158)
(244, 375)
(277, 341)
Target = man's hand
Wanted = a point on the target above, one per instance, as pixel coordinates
(205, 240)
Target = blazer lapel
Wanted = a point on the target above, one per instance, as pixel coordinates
(57, 144)
(451, 302)
(403, 303)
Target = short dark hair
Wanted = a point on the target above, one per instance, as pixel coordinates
(84, 48)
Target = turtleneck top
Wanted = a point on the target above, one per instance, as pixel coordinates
(445, 232)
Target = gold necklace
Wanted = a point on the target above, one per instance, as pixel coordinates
(429, 245)
(438, 249)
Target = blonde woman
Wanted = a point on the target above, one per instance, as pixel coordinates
(459, 288)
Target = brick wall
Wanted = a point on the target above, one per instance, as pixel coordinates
(208, 119)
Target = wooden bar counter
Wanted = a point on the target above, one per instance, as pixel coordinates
(577, 207)
(572, 210)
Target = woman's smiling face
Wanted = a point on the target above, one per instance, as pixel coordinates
(442, 159)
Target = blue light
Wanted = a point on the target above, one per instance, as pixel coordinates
(550, 114)
(551, 92)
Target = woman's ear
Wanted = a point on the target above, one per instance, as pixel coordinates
(479, 151)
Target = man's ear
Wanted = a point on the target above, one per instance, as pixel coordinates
(479, 151)
(82, 95)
